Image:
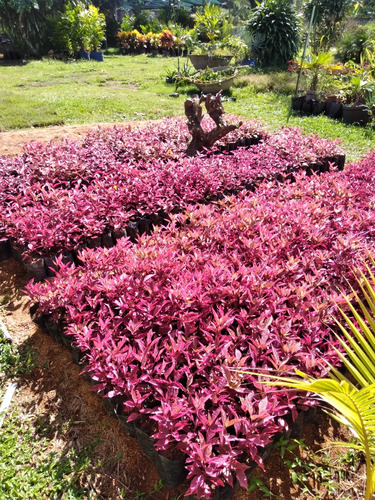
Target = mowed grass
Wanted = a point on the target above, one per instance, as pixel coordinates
(127, 88)
(49, 92)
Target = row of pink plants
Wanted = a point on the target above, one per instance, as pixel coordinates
(250, 282)
(57, 197)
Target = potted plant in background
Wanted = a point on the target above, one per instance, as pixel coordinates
(320, 82)
(211, 26)
(170, 75)
(166, 41)
(95, 30)
(79, 30)
(206, 56)
(231, 48)
(358, 93)
(211, 81)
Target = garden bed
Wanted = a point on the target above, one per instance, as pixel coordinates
(57, 198)
(58, 401)
(251, 281)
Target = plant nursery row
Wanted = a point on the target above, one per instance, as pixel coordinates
(57, 198)
(250, 282)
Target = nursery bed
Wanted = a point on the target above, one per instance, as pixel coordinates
(54, 394)
(57, 199)
(236, 497)
(165, 321)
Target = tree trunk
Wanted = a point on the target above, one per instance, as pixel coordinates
(202, 140)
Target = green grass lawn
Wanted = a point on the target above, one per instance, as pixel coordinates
(122, 88)
(42, 93)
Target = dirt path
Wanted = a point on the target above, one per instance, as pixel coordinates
(11, 142)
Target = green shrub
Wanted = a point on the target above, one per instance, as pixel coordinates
(78, 28)
(127, 23)
(353, 43)
(328, 18)
(274, 26)
(211, 24)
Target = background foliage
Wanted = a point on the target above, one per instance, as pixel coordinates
(275, 27)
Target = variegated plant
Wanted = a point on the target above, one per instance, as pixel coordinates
(352, 399)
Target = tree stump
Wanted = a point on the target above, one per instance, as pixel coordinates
(193, 110)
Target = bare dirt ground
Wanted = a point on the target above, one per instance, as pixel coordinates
(11, 142)
(55, 392)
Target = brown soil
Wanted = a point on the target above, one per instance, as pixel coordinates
(11, 142)
(56, 393)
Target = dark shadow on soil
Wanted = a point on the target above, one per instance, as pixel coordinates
(12, 281)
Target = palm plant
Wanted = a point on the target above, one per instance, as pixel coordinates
(352, 399)
(317, 64)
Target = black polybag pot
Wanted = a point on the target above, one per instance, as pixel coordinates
(36, 269)
(171, 472)
(5, 250)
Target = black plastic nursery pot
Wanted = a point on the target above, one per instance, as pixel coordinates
(308, 105)
(297, 102)
(318, 107)
(334, 110)
(355, 114)
(5, 250)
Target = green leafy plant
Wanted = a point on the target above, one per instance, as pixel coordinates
(207, 75)
(256, 484)
(140, 495)
(236, 46)
(16, 360)
(30, 469)
(329, 16)
(127, 23)
(276, 28)
(354, 42)
(26, 25)
(316, 65)
(211, 24)
(79, 28)
(358, 89)
(308, 470)
(351, 397)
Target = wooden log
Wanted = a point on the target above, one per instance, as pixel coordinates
(193, 110)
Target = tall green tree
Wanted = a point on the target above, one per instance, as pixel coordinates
(26, 24)
(328, 19)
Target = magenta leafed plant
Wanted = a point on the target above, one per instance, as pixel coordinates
(249, 282)
(55, 197)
